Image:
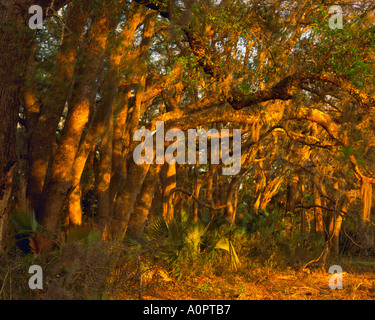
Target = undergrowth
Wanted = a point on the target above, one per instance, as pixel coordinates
(181, 255)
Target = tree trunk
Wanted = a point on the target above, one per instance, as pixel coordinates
(99, 126)
(291, 204)
(127, 198)
(57, 189)
(75, 207)
(318, 212)
(43, 137)
(170, 184)
(335, 226)
(104, 175)
(141, 212)
(5, 206)
(15, 43)
(231, 202)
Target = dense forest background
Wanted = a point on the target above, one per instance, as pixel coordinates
(73, 94)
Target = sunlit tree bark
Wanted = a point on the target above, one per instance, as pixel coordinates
(80, 104)
(16, 39)
(141, 211)
(43, 135)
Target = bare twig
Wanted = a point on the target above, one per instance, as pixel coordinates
(322, 255)
(202, 203)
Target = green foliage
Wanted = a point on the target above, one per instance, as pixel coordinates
(25, 223)
(24, 227)
(182, 243)
(347, 51)
(82, 234)
(274, 237)
(14, 275)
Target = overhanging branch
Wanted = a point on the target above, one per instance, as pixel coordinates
(200, 202)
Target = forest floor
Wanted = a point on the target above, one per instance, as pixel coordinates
(269, 283)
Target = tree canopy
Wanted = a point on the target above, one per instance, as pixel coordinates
(74, 93)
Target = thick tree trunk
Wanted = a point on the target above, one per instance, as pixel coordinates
(56, 191)
(43, 136)
(127, 198)
(170, 184)
(122, 103)
(231, 208)
(335, 225)
(104, 175)
(75, 207)
(141, 212)
(318, 212)
(119, 169)
(135, 174)
(15, 43)
(270, 191)
(101, 125)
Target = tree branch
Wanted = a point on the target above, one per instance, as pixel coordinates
(202, 203)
